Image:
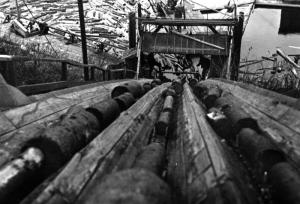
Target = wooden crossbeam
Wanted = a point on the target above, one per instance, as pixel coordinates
(189, 22)
(197, 40)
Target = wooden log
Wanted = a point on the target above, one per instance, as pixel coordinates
(168, 104)
(275, 115)
(134, 87)
(285, 183)
(130, 186)
(238, 118)
(125, 101)
(156, 82)
(13, 140)
(170, 92)
(147, 87)
(44, 87)
(193, 82)
(51, 108)
(104, 148)
(212, 94)
(220, 123)
(199, 168)
(259, 150)
(105, 111)
(17, 172)
(177, 86)
(152, 158)
(163, 122)
(61, 140)
(77, 87)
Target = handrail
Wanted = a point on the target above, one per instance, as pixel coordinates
(9, 58)
(10, 73)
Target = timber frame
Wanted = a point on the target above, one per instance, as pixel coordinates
(223, 47)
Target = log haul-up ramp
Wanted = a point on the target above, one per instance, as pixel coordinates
(143, 141)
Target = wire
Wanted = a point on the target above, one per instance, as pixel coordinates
(211, 9)
(44, 35)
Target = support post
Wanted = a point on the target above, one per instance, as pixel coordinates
(64, 71)
(83, 39)
(237, 41)
(132, 30)
(92, 73)
(139, 39)
(11, 73)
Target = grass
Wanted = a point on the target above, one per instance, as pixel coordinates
(273, 76)
(40, 72)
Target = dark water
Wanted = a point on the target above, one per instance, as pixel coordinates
(261, 36)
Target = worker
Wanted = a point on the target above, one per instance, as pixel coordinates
(205, 64)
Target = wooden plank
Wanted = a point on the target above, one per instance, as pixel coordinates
(54, 106)
(71, 89)
(5, 124)
(44, 87)
(73, 178)
(206, 171)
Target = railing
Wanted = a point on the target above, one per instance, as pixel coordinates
(8, 62)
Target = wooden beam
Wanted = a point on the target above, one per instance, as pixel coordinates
(289, 60)
(213, 29)
(197, 154)
(189, 22)
(275, 4)
(83, 39)
(197, 40)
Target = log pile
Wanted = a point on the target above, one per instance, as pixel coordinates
(106, 21)
(262, 125)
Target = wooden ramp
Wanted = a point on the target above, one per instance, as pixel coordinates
(215, 141)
